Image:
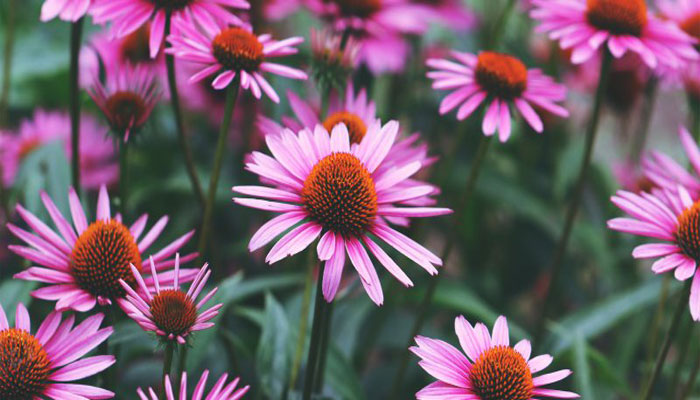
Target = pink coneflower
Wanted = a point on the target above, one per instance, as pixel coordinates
(379, 27)
(341, 193)
(686, 14)
(67, 10)
(232, 51)
(169, 312)
(83, 263)
(43, 365)
(332, 59)
(624, 25)
(453, 13)
(500, 80)
(491, 369)
(631, 178)
(666, 173)
(220, 391)
(128, 98)
(97, 158)
(669, 216)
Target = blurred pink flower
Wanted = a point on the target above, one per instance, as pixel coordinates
(325, 186)
(226, 52)
(501, 80)
(97, 158)
(666, 173)
(67, 10)
(43, 365)
(686, 14)
(220, 391)
(82, 264)
(631, 177)
(622, 25)
(491, 369)
(453, 13)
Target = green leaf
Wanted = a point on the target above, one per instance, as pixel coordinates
(45, 168)
(273, 357)
(13, 292)
(582, 376)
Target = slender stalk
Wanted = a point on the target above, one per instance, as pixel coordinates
(694, 108)
(315, 348)
(591, 132)
(303, 319)
(123, 176)
(499, 27)
(76, 34)
(452, 238)
(7, 61)
(179, 124)
(647, 111)
(682, 357)
(691, 380)
(231, 95)
(182, 360)
(325, 343)
(657, 322)
(675, 322)
(167, 363)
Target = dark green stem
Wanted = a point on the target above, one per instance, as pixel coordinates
(325, 343)
(167, 363)
(661, 358)
(7, 61)
(694, 110)
(591, 133)
(640, 138)
(452, 238)
(683, 354)
(498, 29)
(123, 176)
(656, 323)
(315, 348)
(303, 318)
(691, 380)
(179, 123)
(182, 360)
(76, 33)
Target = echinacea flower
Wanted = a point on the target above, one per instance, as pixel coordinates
(453, 13)
(631, 177)
(43, 364)
(686, 14)
(220, 391)
(671, 217)
(66, 10)
(622, 25)
(666, 173)
(129, 15)
(169, 312)
(500, 80)
(332, 61)
(491, 369)
(97, 156)
(128, 98)
(231, 51)
(326, 187)
(83, 263)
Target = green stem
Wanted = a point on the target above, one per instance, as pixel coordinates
(182, 360)
(315, 348)
(231, 95)
(675, 322)
(682, 357)
(691, 380)
(123, 176)
(179, 124)
(640, 138)
(591, 132)
(167, 363)
(325, 343)
(452, 238)
(656, 324)
(499, 27)
(325, 96)
(694, 109)
(7, 61)
(76, 33)
(303, 319)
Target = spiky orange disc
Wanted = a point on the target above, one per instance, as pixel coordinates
(356, 126)
(501, 373)
(24, 365)
(237, 49)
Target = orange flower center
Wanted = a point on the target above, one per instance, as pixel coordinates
(172, 4)
(356, 126)
(134, 47)
(501, 373)
(237, 49)
(27, 147)
(621, 17)
(688, 231)
(339, 194)
(24, 365)
(691, 26)
(125, 110)
(102, 255)
(359, 8)
(173, 312)
(501, 75)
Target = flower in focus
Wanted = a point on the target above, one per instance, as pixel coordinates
(42, 365)
(624, 25)
(97, 155)
(332, 61)
(379, 27)
(128, 98)
(66, 10)
(83, 263)
(169, 312)
(666, 173)
(501, 80)
(220, 391)
(233, 51)
(325, 186)
(491, 369)
(129, 15)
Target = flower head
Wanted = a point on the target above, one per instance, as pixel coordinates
(42, 365)
(128, 99)
(452, 13)
(666, 173)
(501, 80)
(623, 25)
(491, 369)
(326, 187)
(83, 264)
(232, 51)
(169, 312)
(97, 155)
(129, 15)
(220, 391)
(332, 60)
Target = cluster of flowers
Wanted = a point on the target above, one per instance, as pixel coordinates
(345, 178)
